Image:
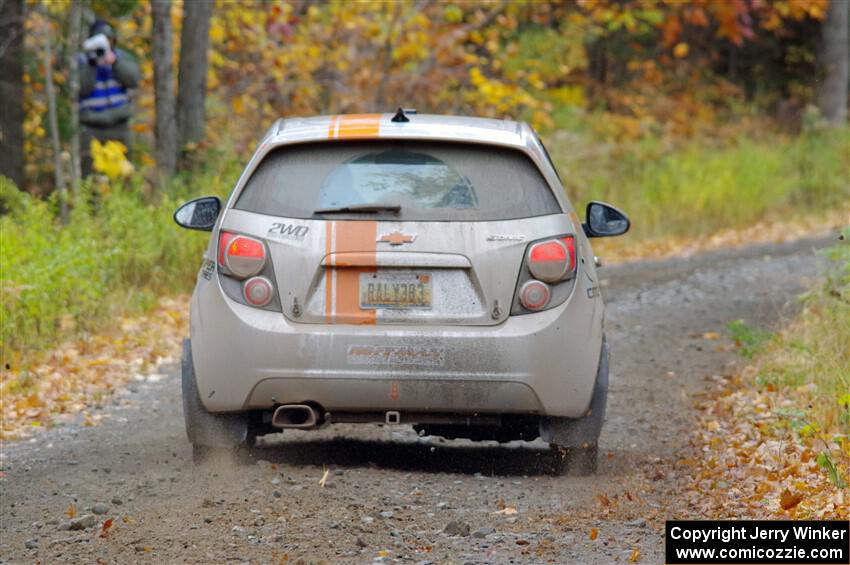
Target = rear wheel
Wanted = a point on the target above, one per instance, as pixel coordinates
(575, 441)
(211, 434)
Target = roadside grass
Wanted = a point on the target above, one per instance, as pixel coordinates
(702, 186)
(118, 254)
(777, 436)
(810, 360)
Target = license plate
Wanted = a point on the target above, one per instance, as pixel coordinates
(395, 290)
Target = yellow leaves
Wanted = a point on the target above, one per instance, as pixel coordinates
(681, 50)
(238, 104)
(453, 14)
(71, 512)
(635, 556)
(216, 31)
(568, 96)
(109, 158)
(594, 533)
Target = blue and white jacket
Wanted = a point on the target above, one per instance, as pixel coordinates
(104, 100)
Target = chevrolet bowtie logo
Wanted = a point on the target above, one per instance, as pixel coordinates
(396, 238)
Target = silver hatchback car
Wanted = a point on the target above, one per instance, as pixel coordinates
(398, 269)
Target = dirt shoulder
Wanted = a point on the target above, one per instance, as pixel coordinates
(391, 496)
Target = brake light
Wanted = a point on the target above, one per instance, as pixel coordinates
(570, 243)
(257, 291)
(243, 256)
(223, 239)
(547, 276)
(534, 295)
(549, 260)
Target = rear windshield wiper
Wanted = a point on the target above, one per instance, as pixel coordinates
(361, 208)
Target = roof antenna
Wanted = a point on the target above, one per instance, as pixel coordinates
(400, 116)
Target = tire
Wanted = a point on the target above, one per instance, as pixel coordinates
(209, 433)
(575, 441)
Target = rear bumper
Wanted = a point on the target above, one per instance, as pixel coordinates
(542, 363)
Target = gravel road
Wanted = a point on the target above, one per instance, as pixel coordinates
(393, 497)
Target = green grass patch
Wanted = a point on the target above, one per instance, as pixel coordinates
(809, 362)
(701, 186)
(749, 339)
(114, 257)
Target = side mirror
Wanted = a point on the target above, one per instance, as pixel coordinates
(603, 220)
(198, 214)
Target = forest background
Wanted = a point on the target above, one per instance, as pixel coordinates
(701, 119)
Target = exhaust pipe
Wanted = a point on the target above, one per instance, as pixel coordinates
(299, 416)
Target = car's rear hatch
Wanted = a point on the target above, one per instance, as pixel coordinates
(450, 255)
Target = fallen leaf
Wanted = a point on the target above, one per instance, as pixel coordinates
(500, 504)
(521, 542)
(594, 533)
(787, 500)
(507, 511)
(105, 527)
(603, 500)
(635, 556)
(283, 559)
(71, 512)
(711, 335)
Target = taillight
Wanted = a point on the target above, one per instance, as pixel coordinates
(570, 243)
(551, 261)
(534, 295)
(257, 291)
(548, 261)
(243, 256)
(547, 276)
(223, 239)
(246, 272)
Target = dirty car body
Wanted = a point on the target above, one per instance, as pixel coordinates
(427, 270)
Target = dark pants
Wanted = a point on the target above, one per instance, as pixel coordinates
(118, 132)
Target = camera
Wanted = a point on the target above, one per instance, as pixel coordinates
(95, 48)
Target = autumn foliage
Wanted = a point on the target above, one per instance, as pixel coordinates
(624, 69)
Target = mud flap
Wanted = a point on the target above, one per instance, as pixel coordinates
(204, 428)
(584, 431)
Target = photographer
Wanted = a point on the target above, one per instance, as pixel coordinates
(106, 73)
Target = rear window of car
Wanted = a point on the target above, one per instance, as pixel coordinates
(430, 181)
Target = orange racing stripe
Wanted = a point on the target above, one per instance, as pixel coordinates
(332, 127)
(342, 283)
(360, 238)
(354, 126)
(329, 272)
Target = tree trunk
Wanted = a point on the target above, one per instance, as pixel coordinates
(192, 88)
(165, 129)
(12, 90)
(75, 15)
(47, 54)
(833, 61)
